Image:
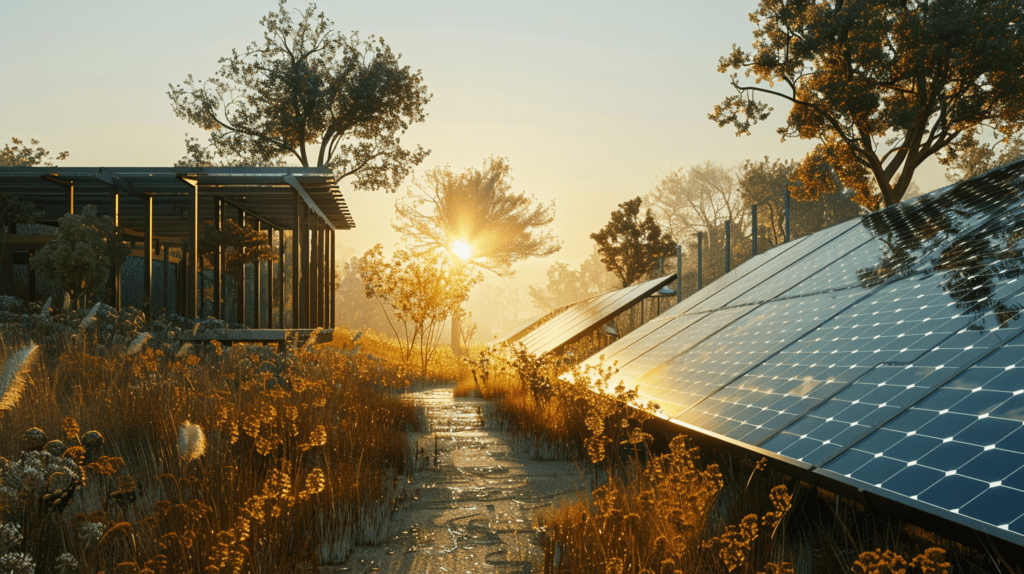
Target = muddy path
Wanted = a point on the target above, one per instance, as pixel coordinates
(474, 501)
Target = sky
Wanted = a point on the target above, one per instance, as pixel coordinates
(592, 102)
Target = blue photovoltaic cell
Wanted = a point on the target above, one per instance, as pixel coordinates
(836, 251)
(885, 352)
(736, 347)
(648, 336)
(654, 361)
(886, 332)
(731, 277)
(578, 320)
(780, 265)
(735, 410)
(967, 433)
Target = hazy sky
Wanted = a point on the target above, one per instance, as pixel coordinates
(592, 102)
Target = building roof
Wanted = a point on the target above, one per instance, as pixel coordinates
(267, 194)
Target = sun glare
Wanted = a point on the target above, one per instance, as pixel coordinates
(461, 248)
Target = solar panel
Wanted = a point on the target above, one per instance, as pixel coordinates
(580, 320)
(885, 354)
(781, 265)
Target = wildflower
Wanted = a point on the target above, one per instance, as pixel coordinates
(17, 563)
(14, 375)
(138, 343)
(66, 563)
(91, 532)
(33, 439)
(10, 535)
(191, 441)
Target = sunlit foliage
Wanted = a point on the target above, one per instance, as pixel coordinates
(881, 85)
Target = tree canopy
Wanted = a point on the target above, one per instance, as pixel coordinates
(311, 94)
(630, 244)
(700, 200)
(21, 155)
(501, 227)
(81, 256)
(881, 85)
(566, 285)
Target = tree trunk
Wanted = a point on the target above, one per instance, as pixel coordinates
(457, 333)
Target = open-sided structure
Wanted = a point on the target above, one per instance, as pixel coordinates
(882, 358)
(162, 208)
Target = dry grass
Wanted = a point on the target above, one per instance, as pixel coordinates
(238, 459)
(686, 510)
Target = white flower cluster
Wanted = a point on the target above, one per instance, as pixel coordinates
(66, 563)
(91, 532)
(10, 535)
(32, 471)
(17, 563)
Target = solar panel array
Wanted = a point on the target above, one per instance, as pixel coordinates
(884, 353)
(584, 317)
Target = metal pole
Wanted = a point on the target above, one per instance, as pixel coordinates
(218, 263)
(334, 278)
(787, 215)
(148, 272)
(167, 279)
(240, 282)
(679, 273)
(115, 201)
(193, 251)
(700, 261)
(296, 256)
(753, 229)
(280, 283)
(257, 292)
(728, 245)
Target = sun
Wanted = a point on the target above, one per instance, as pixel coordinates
(461, 248)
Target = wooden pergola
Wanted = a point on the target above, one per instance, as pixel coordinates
(162, 208)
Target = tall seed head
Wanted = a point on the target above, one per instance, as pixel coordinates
(15, 374)
(191, 441)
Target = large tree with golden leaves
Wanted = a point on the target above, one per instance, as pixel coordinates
(881, 84)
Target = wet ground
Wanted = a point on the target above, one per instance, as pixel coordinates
(474, 501)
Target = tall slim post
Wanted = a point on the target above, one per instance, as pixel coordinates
(257, 292)
(167, 279)
(71, 198)
(728, 245)
(240, 282)
(333, 275)
(193, 252)
(115, 205)
(296, 264)
(304, 269)
(753, 230)
(270, 280)
(218, 262)
(314, 272)
(280, 283)
(679, 273)
(787, 214)
(148, 247)
(700, 261)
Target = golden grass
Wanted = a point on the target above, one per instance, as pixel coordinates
(677, 512)
(236, 459)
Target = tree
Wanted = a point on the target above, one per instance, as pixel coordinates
(477, 207)
(478, 210)
(355, 311)
(701, 199)
(241, 245)
(21, 155)
(765, 183)
(422, 290)
(881, 85)
(630, 245)
(566, 285)
(968, 157)
(81, 256)
(310, 94)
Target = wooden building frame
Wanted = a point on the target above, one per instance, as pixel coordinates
(163, 208)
